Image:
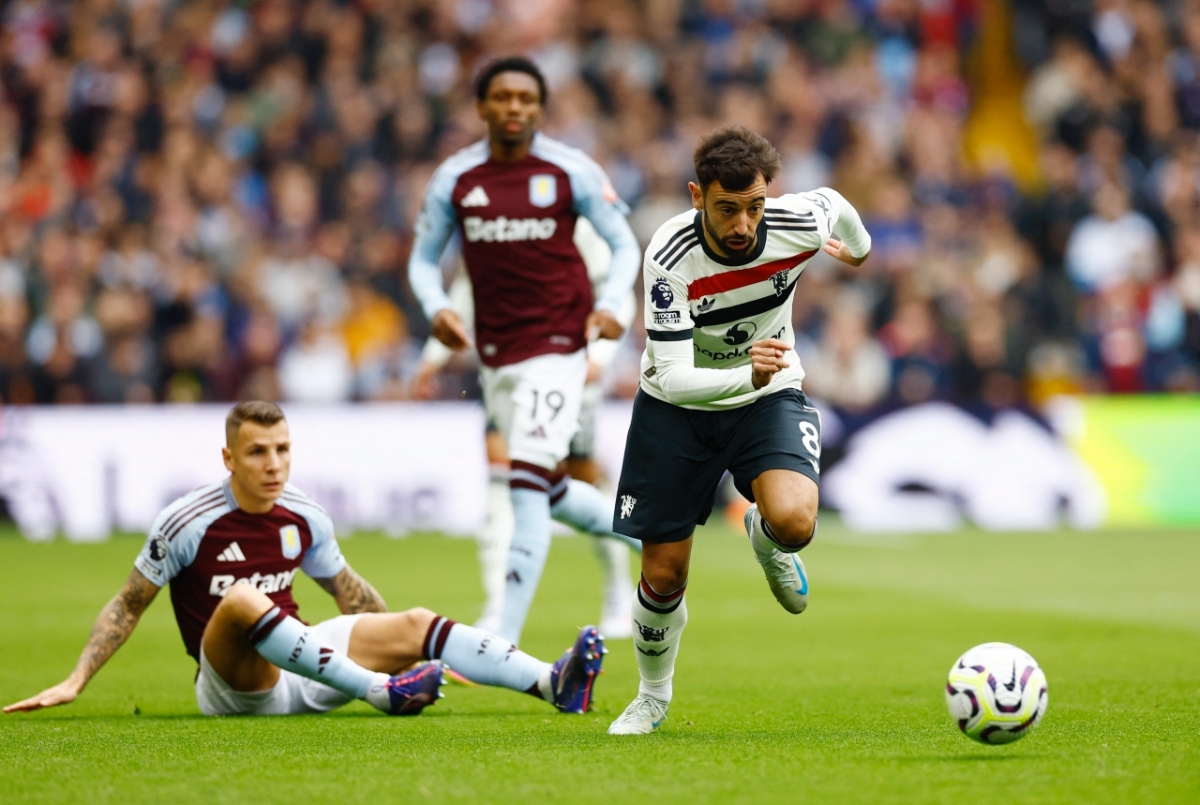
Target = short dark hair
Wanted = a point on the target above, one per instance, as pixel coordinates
(257, 411)
(510, 64)
(735, 156)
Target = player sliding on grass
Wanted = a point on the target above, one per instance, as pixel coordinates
(230, 551)
(721, 391)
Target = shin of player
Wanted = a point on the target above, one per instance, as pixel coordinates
(387, 641)
(538, 496)
(495, 538)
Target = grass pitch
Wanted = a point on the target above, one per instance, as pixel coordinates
(842, 704)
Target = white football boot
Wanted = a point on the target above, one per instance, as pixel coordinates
(784, 571)
(644, 715)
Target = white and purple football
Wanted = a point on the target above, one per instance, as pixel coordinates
(996, 693)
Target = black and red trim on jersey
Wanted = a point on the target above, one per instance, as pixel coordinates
(790, 221)
(669, 335)
(672, 243)
(744, 311)
(732, 280)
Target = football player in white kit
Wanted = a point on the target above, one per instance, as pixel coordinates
(495, 537)
(720, 390)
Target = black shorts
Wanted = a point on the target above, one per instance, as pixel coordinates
(675, 457)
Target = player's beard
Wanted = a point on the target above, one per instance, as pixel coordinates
(723, 243)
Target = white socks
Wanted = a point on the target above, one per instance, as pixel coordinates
(526, 559)
(286, 642)
(618, 589)
(484, 657)
(658, 622)
(581, 506)
(494, 541)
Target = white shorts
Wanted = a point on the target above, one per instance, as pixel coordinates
(535, 405)
(292, 694)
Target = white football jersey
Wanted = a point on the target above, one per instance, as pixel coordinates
(725, 304)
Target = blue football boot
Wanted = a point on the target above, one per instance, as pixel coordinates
(572, 677)
(416, 688)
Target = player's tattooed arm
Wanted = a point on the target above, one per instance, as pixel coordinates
(352, 592)
(112, 628)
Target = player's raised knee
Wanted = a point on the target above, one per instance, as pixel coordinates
(665, 580)
(245, 600)
(794, 526)
(241, 596)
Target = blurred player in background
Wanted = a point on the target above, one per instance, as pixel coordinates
(515, 198)
(230, 551)
(720, 391)
(496, 535)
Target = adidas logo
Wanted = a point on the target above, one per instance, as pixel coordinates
(476, 198)
(231, 554)
(705, 305)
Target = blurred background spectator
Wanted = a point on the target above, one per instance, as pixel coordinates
(211, 200)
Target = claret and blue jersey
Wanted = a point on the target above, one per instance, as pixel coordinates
(203, 544)
(517, 221)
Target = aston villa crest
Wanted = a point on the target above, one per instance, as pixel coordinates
(289, 538)
(543, 190)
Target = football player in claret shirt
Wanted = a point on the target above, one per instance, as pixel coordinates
(720, 390)
(514, 199)
(230, 552)
(495, 536)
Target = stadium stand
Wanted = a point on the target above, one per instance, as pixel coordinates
(206, 201)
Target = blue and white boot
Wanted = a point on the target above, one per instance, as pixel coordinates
(644, 715)
(784, 571)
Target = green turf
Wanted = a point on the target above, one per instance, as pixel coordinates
(842, 704)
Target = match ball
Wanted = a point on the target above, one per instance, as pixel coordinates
(996, 693)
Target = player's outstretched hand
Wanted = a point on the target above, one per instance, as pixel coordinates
(62, 693)
(448, 328)
(603, 324)
(766, 358)
(836, 248)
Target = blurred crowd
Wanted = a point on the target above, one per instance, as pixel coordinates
(210, 200)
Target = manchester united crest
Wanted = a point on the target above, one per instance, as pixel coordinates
(780, 281)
